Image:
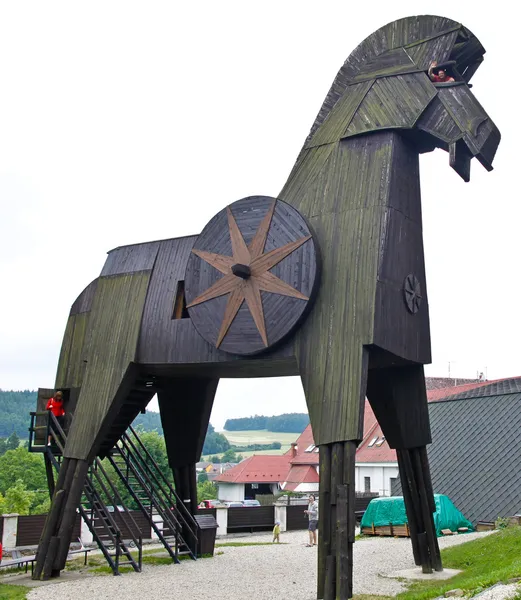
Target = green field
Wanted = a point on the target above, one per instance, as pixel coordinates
(244, 438)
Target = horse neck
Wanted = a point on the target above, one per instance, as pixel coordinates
(365, 172)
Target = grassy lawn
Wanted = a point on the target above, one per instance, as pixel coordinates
(495, 558)
(12, 592)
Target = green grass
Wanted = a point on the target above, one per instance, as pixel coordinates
(100, 567)
(13, 592)
(495, 558)
(261, 436)
(236, 544)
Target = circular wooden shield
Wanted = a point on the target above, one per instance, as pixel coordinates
(252, 275)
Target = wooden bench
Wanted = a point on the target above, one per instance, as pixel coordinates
(79, 550)
(18, 559)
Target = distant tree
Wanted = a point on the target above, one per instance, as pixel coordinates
(149, 421)
(22, 465)
(12, 442)
(14, 412)
(155, 444)
(17, 499)
(229, 456)
(289, 422)
(276, 445)
(3, 447)
(214, 442)
(238, 458)
(215, 460)
(202, 477)
(206, 491)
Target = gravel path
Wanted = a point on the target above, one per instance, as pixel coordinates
(287, 570)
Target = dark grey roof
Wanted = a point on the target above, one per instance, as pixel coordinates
(476, 452)
(494, 388)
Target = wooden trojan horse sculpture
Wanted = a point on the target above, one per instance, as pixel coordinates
(261, 300)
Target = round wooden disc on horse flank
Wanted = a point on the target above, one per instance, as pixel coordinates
(252, 275)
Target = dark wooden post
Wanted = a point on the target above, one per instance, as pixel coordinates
(337, 521)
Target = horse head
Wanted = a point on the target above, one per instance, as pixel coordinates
(385, 84)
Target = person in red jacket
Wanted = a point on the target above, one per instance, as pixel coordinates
(55, 405)
(439, 75)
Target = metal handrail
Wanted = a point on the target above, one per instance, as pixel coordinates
(179, 502)
(145, 472)
(191, 524)
(100, 512)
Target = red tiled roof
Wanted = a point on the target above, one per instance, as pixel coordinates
(267, 469)
(378, 454)
(300, 474)
(306, 458)
(258, 468)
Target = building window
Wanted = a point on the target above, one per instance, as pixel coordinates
(367, 484)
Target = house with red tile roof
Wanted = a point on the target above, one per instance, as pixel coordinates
(376, 465)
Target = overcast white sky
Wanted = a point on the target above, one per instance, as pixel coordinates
(124, 122)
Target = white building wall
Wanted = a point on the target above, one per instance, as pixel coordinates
(230, 491)
(380, 475)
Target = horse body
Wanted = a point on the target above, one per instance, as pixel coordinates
(357, 183)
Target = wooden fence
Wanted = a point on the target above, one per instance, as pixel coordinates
(251, 518)
(30, 529)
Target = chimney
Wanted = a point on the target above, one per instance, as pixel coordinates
(293, 449)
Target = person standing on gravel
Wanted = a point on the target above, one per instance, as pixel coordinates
(312, 513)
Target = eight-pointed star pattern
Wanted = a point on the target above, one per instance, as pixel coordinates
(412, 293)
(246, 274)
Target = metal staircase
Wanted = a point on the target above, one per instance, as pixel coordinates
(101, 522)
(173, 524)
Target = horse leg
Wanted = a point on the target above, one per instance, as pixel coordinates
(399, 400)
(342, 414)
(185, 406)
(56, 536)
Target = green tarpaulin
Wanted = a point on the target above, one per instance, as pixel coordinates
(391, 511)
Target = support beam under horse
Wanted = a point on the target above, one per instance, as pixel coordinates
(326, 281)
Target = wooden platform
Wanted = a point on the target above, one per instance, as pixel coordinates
(387, 530)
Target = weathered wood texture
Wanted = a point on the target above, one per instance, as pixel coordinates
(370, 235)
(356, 182)
(185, 406)
(424, 38)
(114, 327)
(176, 343)
(399, 400)
(276, 242)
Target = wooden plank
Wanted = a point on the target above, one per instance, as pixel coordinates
(392, 102)
(330, 583)
(114, 322)
(131, 259)
(340, 116)
(344, 558)
(324, 529)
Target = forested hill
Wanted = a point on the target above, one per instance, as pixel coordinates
(14, 412)
(289, 422)
(16, 406)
